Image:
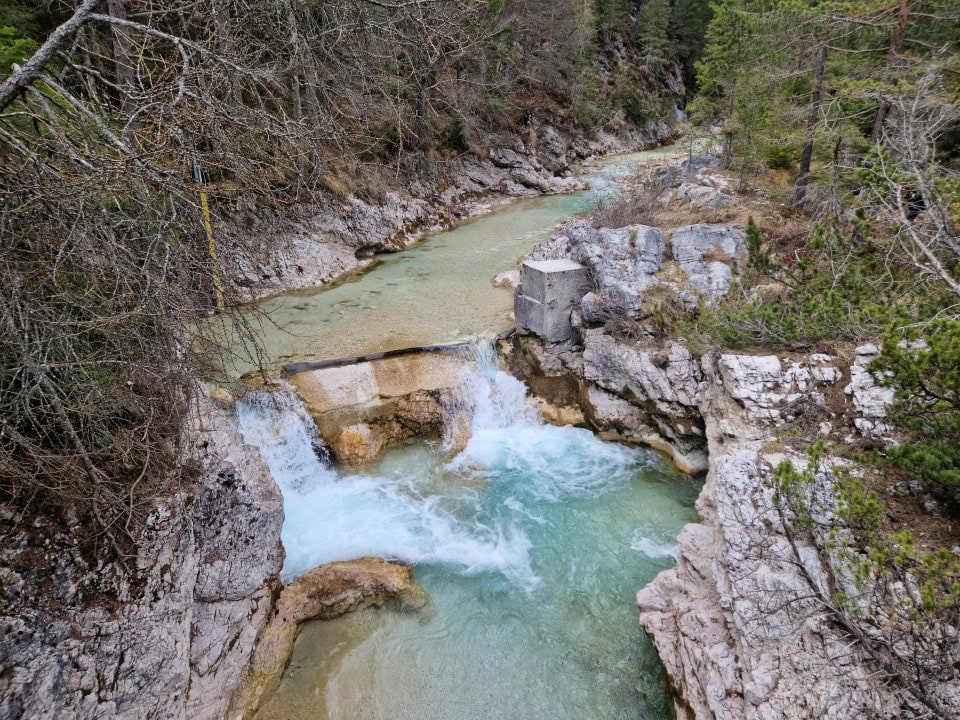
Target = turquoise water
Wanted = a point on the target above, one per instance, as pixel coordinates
(440, 290)
(532, 543)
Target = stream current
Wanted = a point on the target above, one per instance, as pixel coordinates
(531, 542)
(440, 290)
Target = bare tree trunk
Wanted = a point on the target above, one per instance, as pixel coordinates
(225, 42)
(897, 37)
(31, 70)
(122, 61)
(813, 114)
(296, 102)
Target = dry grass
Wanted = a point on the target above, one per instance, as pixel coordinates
(643, 207)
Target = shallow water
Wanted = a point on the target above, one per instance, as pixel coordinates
(438, 291)
(532, 543)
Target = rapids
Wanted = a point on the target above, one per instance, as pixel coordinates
(531, 543)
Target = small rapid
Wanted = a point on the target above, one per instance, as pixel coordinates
(394, 514)
(531, 541)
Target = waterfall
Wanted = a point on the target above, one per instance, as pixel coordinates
(385, 512)
(279, 426)
(472, 514)
(490, 397)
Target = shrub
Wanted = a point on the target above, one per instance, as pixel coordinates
(454, 136)
(894, 599)
(640, 208)
(925, 368)
(758, 257)
(14, 48)
(780, 157)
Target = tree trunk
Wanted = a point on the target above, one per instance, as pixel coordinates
(122, 51)
(813, 114)
(226, 42)
(22, 77)
(897, 37)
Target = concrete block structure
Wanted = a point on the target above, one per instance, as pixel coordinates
(549, 290)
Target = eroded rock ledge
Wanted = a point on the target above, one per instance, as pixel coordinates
(170, 639)
(734, 621)
(323, 593)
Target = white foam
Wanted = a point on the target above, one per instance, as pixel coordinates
(556, 462)
(278, 425)
(400, 515)
(361, 516)
(652, 547)
(330, 518)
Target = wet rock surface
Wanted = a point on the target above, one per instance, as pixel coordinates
(322, 593)
(363, 408)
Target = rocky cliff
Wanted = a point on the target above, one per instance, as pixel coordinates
(743, 623)
(736, 622)
(167, 638)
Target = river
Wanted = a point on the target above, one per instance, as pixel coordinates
(440, 290)
(532, 542)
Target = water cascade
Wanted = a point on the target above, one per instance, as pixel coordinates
(531, 542)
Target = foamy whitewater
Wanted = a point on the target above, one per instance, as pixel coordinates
(533, 534)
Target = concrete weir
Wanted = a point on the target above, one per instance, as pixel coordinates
(366, 404)
(549, 290)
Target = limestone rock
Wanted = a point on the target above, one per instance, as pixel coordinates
(221, 397)
(507, 279)
(324, 592)
(175, 634)
(357, 445)
(668, 176)
(700, 161)
(707, 253)
(552, 150)
(668, 375)
(617, 419)
(664, 384)
(362, 408)
(702, 197)
(622, 261)
(560, 415)
(769, 390)
(870, 398)
(734, 622)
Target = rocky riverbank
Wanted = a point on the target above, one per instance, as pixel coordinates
(169, 636)
(744, 623)
(341, 234)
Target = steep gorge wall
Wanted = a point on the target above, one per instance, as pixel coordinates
(744, 622)
(168, 640)
(735, 622)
